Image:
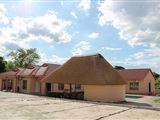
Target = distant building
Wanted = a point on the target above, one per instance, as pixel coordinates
(27, 80)
(139, 81)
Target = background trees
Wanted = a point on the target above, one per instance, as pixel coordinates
(2, 64)
(24, 57)
(158, 83)
(10, 65)
(119, 67)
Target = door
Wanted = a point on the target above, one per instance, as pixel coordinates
(149, 86)
(37, 87)
(48, 87)
(9, 85)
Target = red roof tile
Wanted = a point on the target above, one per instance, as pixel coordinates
(46, 69)
(35, 70)
(11, 73)
(138, 74)
(29, 71)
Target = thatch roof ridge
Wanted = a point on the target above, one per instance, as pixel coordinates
(93, 69)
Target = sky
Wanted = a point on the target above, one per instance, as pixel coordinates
(125, 32)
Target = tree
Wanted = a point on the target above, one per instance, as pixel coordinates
(2, 65)
(24, 57)
(10, 65)
(158, 83)
(156, 75)
(119, 67)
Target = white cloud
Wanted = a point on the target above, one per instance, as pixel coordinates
(52, 59)
(22, 31)
(110, 49)
(138, 63)
(139, 55)
(85, 4)
(81, 48)
(138, 22)
(73, 14)
(3, 18)
(48, 28)
(93, 35)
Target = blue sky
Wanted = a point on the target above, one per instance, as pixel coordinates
(126, 33)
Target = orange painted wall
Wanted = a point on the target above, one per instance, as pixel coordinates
(104, 93)
(143, 85)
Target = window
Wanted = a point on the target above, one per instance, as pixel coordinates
(134, 85)
(77, 86)
(60, 86)
(24, 85)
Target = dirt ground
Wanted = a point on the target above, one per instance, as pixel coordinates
(22, 106)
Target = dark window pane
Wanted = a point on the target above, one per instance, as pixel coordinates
(134, 85)
(77, 86)
(24, 86)
(61, 86)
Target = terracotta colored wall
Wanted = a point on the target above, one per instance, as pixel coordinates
(14, 85)
(150, 78)
(43, 88)
(0, 84)
(104, 93)
(143, 85)
(30, 85)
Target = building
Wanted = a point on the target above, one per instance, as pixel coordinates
(44, 70)
(27, 80)
(8, 80)
(139, 81)
(100, 81)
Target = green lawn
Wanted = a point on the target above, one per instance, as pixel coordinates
(157, 100)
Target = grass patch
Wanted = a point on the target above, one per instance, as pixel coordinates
(157, 100)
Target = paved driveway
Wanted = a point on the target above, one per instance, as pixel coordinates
(142, 100)
(21, 106)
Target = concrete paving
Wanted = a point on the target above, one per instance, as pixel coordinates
(28, 107)
(143, 100)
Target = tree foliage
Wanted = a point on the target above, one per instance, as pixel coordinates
(10, 65)
(119, 67)
(24, 57)
(156, 75)
(158, 83)
(2, 65)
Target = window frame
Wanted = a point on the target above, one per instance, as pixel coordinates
(134, 85)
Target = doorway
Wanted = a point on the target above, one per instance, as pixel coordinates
(48, 88)
(149, 86)
(37, 87)
(7, 85)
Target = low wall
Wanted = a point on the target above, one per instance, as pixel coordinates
(104, 93)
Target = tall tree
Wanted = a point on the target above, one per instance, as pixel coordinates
(24, 57)
(10, 65)
(2, 65)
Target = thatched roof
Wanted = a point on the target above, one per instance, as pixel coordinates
(86, 70)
